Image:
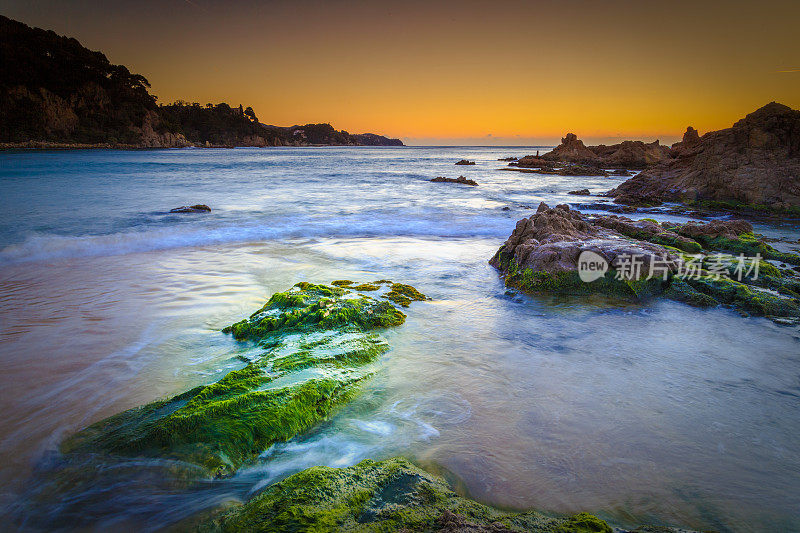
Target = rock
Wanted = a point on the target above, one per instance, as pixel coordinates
(330, 331)
(572, 150)
(507, 159)
(752, 166)
(549, 253)
(461, 179)
(620, 172)
(532, 161)
(197, 208)
(465, 162)
(581, 192)
(392, 495)
(631, 154)
(581, 170)
(690, 139)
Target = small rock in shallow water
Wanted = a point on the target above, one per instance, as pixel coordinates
(197, 208)
(461, 179)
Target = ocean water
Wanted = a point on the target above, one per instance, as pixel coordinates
(641, 413)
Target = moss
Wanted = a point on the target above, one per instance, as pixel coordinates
(342, 283)
(741, 207)
(676, 241)
(585, 523)
(366, 287)
(570, 283)
(318, 347)
(390, 495)
(748, 244)
(402, 294)
(743, 297)
(681, 291)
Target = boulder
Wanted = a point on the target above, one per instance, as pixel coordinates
(465, 162)
(581, 192)
(753, 165)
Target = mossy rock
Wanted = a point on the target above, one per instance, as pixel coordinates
(749, 244)
(319, 345)
(403, 295)
(385, 496)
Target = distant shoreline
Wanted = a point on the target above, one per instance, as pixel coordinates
(35, 146)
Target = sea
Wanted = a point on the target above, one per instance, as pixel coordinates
(640, 413)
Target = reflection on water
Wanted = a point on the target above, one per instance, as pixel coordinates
(664, 413)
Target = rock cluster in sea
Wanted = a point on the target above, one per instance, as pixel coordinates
(702, 264)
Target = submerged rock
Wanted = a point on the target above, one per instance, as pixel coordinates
(197, 208)
(752, 166)
(465, 162)
(318, 344)
(389, 495)
(461, 179)
(560, 250)
(581, 192)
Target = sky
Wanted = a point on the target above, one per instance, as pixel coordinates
(447, 72)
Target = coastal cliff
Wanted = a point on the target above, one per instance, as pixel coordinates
(753, 165)
(55, 93)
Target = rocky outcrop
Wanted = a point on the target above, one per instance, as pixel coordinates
(754, 165)
(690, 139)
(625, 155)
(461, 179)
(197, 208)
(560, 250)
(320, 345)
(581, 192)
(572, 150)
(532, 161)
(465, 162)
(392, 495)
(631, 154)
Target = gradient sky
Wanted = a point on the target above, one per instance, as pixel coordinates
(455, 72)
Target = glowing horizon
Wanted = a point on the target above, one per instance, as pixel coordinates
(516, 73)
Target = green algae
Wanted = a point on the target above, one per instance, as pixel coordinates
(366, 287)
(767, 295)
(385, 496)
(318, 343)
(403, 295)
(342, 283)
(748, 244)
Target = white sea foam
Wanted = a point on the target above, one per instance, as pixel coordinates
(44, 247)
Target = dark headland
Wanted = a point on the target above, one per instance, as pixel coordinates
(55, 93)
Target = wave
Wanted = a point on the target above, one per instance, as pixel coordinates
(47, 246)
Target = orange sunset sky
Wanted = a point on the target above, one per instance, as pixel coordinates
(455, 72)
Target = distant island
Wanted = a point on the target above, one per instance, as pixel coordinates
(55, 93)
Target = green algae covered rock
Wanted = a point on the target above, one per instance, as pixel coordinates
(389, 495)
(319, 344)
(645, 259)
